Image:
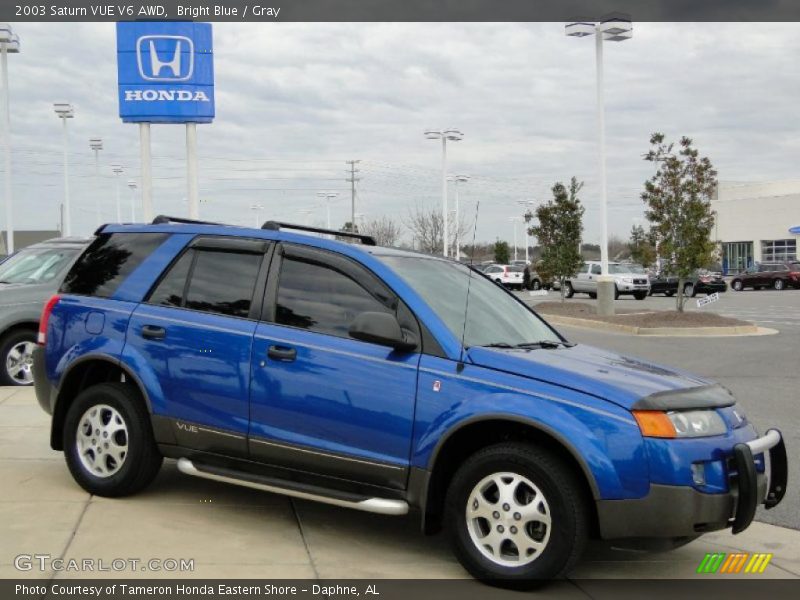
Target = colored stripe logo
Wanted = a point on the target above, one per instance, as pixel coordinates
(736, 562)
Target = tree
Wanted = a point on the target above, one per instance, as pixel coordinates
(641, 247)
(502, 253)
(385, 230)
(426, 228)
(678, 199)
(558, 228)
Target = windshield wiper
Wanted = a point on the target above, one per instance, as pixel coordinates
(497, 345)
(544, 344)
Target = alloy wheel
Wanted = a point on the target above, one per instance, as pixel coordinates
(102, 440)
(508, 519)
(19, 363)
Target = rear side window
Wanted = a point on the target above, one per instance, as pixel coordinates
(108, 261)
(219, 282)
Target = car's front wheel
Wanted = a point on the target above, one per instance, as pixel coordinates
(689, 290)
(16, 354)
(516, 516)
(108, 441)
(640, 295)
(736, 284)
(568, 291)
(778, 284)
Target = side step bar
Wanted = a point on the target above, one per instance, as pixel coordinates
(383, 506)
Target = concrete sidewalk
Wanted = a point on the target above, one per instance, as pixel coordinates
(236, 532)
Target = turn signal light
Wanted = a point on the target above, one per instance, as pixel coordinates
(654, 423)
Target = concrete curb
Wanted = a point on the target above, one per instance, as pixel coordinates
(740, 330)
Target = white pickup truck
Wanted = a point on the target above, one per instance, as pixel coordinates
(628, 279)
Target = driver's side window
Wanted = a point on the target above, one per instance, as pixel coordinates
(595, 269)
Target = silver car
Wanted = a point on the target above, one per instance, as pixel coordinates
(27, 279)
(628, 279)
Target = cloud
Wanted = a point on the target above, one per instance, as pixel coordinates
(295, 101)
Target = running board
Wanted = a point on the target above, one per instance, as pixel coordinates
(383, 506)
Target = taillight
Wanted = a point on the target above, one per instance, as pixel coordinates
(505, 270)
(43, 320)
(794, 274)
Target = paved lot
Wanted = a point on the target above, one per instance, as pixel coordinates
(236, 532)
(763, 371)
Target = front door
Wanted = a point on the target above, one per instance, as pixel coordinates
(321, 401)
(193, 336)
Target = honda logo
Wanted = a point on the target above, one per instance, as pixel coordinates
(165, 57)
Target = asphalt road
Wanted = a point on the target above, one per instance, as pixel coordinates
(762, 371)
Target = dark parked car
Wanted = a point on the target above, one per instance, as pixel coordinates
(699, 283)
(776, 275)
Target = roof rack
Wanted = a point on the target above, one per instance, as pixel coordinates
(367, 240)
(165, 220)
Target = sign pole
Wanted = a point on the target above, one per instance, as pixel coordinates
(147, 176)
(191, 171)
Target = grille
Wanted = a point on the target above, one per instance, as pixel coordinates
(640, 281)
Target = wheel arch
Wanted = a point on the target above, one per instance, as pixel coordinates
(85, 372)
(473, 434)
(27, 324)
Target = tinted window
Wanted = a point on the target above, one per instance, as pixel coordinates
(222, 282)
(108, 261)
(169, 291)
(595, 269)
(516, 269)
(36, 265)
(320, 298)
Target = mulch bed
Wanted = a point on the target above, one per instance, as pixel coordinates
(639, 318)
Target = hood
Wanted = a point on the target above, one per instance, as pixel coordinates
(619, 379)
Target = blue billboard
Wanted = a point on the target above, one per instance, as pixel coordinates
(165, 72)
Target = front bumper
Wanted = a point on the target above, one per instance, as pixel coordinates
(632, 287)
(672, 511)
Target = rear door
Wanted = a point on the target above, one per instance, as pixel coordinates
(321, 401)
(194, 334)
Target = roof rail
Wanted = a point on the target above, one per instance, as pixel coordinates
(165, 220)
(367, 240)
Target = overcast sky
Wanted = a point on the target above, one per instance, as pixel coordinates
(295, 101)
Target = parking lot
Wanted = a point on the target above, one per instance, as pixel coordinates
(236, 532)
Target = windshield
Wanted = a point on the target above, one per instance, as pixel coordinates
(620, 269)
(494, 316)
(36, 265)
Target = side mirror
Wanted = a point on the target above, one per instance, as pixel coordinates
(380, 328)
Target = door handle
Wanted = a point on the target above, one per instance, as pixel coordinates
(153, 332)
(282, 353)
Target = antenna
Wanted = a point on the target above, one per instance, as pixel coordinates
(469, 285)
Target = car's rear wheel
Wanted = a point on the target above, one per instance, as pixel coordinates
(516, 516)
(689, 290)
(16, 354)
(108, 441)
(537, 285)
(736, 285)
(778, 284)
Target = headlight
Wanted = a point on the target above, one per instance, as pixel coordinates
(679, 424)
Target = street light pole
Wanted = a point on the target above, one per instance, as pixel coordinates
(514, 221)
(614, 29)
(456, 179)
(257, 208)
(527, 203)
(96, 144)
(328, 197)
(117, 170)
(132, 186)
(9, 44)
(454, 135)
(65, 111)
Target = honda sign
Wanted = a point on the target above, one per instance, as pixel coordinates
(165, 72)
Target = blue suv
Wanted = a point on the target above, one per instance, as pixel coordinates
(384, 381)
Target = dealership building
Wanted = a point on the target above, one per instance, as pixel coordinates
(753, 222)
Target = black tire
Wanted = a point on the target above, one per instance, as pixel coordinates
(593, 295)
(689, 290)
(736, 285)
(568, 511)
(537, 285)
(568, 291)
(640, 295)
(142, 460)
(16, 370)
(779, 285)
(616, 292)
(669, 293)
